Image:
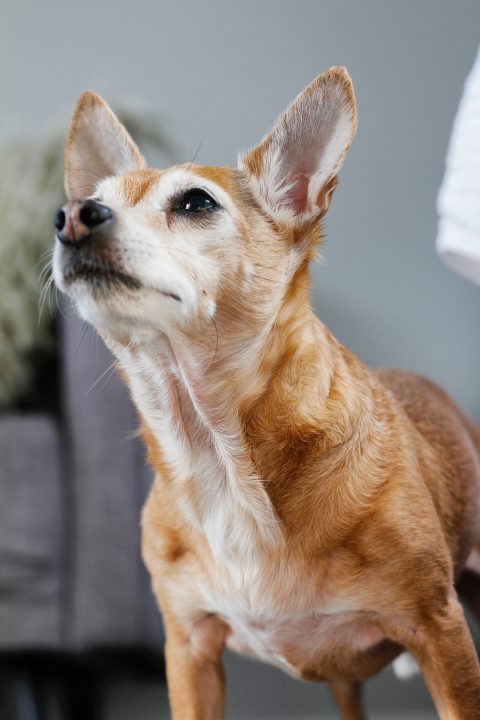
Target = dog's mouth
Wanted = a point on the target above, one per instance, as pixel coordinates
(98, 273)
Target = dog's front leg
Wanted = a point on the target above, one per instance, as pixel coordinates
(347, 696)
(194, 669)
(444, 650)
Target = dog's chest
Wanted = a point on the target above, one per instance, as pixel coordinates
(288, 625)
(274, 612)
(297, 644)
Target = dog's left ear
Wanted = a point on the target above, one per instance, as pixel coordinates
(294, 168)
(97, 146)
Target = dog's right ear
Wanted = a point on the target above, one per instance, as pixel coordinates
(97, 146)
(294, 169)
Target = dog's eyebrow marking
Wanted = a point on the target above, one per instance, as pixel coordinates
(136, 184)
(230, 180)
(222, 176)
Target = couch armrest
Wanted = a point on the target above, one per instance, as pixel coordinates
(108, 481)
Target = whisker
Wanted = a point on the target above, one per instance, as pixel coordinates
(59, 307)
(105, 383)
(98, 379)
(51, 291)
(84, 332)
(197, 150)
(44, 271)
(43, 297)
(111, 368)
(46, 253)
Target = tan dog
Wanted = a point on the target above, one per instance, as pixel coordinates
(307, 510)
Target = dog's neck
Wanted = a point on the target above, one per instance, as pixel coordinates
(225, 421)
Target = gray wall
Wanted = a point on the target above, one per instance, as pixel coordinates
(220, 72)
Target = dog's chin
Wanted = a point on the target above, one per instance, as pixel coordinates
(122, 309)
(113, 300)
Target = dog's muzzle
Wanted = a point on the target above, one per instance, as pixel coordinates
(77, 221)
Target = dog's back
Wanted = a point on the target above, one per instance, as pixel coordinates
(455, 441)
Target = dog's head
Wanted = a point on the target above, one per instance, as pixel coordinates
(145, 252)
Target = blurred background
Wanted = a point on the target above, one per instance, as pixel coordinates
(80, 636)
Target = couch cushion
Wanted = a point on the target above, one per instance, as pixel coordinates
(30, 532)
(111, 597)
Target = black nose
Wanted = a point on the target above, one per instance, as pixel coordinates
(76, 221)
(93, 213)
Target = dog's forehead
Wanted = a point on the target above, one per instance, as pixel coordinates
(136, 185)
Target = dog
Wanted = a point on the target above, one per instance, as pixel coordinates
(307, 510)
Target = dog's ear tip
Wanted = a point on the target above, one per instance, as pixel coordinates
(88, 94)
(339, 71)
(88, 103)
(97, 145)
(339, 77)
(336, 73)
(89, 99)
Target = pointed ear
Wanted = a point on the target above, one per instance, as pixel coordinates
(294, 168)
(97, 146)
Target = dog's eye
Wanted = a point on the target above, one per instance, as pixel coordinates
(196, 201)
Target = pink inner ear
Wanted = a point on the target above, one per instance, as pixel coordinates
(296, 196)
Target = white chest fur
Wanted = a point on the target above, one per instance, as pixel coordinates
(287, 624)
(274, 611)
(225, 498)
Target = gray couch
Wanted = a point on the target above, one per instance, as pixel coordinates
(72, 485)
